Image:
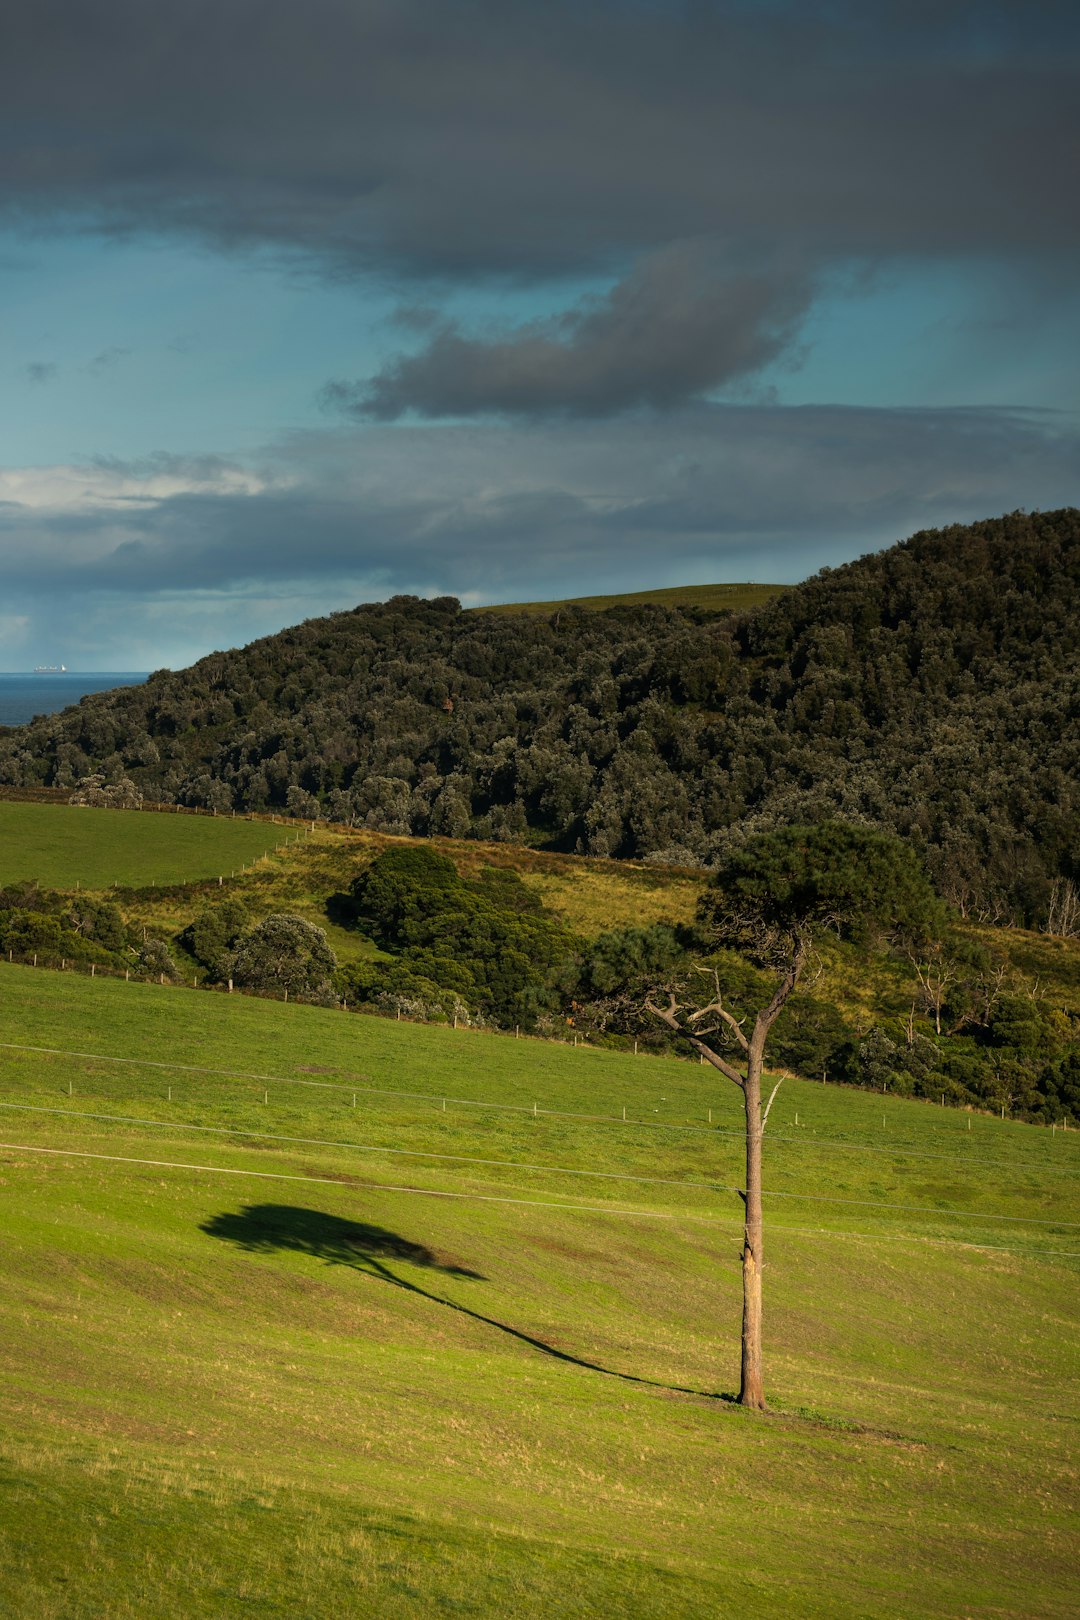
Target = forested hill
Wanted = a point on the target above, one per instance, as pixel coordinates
(931, 689)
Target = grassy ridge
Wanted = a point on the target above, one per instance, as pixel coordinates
(231, 1412)
(67, 845)
(713, 598)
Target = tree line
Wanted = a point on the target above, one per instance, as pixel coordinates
(484, 951)
(930, 691)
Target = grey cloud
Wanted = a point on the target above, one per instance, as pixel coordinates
(38, 372)
(509, 137)
(205, 468)
(530, 141)
(552, 508)
(675, 327)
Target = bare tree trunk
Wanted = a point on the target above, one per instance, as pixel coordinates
(704, 1041)
(752, 1382)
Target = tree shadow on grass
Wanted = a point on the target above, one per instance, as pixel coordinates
(264, 1228)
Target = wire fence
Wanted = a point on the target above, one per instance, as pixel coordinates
(361, 1085)
(576, 1040)
(612, 1211)
(542, 1169)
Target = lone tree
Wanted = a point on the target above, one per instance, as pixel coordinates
(286, 954)
(767, 901)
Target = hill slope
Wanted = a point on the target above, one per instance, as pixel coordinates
(379, 1390)
(713, 598)
(931, 689)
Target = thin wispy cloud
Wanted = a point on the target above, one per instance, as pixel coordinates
(106, 360)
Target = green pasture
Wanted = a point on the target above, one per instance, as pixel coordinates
(387, 1383)
(63, 845)
(715, 598)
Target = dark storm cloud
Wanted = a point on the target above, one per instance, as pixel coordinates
(511, 511)
(451, 140)
(670, 330)
(490, 135)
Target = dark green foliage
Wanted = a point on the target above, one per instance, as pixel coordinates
(286, 954)
(1058, 1090)
(775, 889)
(627, 962)
(929, 690)
(485, 945)
(98, 921)
(910, 1068)
(55, 927)
(26, 896)
(212, 938)
(812, 1038)
(1021, 1023)
(402, 890)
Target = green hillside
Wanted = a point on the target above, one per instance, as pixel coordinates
(711, 598)
(62, 845)
(341, 1381)
(1009, 1016)
(928, 690)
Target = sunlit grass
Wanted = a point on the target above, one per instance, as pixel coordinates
(510, 1408)
(714, 598)
(65, 846)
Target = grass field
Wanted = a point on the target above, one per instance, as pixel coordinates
(378, 1383)
(64, 845)
(716, 598)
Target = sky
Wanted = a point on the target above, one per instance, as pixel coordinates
(308, 305)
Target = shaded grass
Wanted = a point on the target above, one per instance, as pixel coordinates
(235, 1411)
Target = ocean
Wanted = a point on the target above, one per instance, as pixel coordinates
(24, 696)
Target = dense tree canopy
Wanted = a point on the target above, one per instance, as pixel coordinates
(482, 946)
(775, 889)
(930, 690)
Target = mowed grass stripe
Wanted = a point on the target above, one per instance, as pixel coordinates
(61, 846)
(606, 1209)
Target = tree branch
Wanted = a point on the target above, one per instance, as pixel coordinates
(717, 1006)
(768, 1105)
(768, 1017)
(669, 1015)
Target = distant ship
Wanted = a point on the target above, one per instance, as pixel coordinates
(51, 669)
